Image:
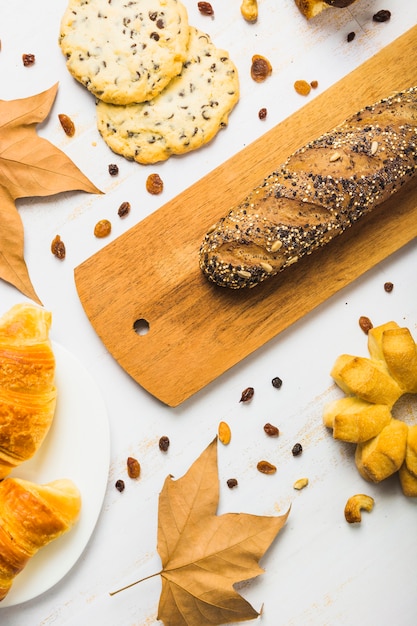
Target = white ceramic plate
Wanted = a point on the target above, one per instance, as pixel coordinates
(76, 447)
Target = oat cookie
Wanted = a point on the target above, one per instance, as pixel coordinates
(187, 114)
(124, 51)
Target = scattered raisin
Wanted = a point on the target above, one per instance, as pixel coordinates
(28, 59)
(247, 394)
(388, 287)
(314, 84)
(302, 87)
(351, 36)
(266, 468)
(124, 209)
(382, 16)
(133, 467)
(164, 443)
(113, 169)
(297, 449)
(224, 432)
(67, 124)
(365, 324)
(120, 485)
(154, 184)
(260, 68)
(205, 8)
(262, 113)
(277, 382)
(58, 247)
(102, 229)
(271, 431)
(231, 482)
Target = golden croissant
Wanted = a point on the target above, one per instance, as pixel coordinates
(31, 516)
(27, 389)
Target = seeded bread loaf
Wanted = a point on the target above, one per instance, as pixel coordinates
(318, 193)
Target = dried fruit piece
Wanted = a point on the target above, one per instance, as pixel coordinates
(225, 434)
(28, 59)
(351, 36)
(124, 209)
(302, 87)
(249, 10)
(120, 485)
(260, 68)
(205, 8)
(247, 394)
(231, 482)
(58, 247)
(262, 113)
(314, 84)
(67, 124)
(164, 443)
(133, 467)
(365, 324)
(154, 184)
(297, 449)
(102, 229)
(113, 169)
(271, 431)
(355, 505)
(277, 382)
(382, 16)
(388, 287)
(300, 483)
(265, 467)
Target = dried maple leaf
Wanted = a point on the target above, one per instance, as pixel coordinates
(203, 554)
(29, 166)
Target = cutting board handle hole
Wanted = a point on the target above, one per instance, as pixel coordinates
(141, 326)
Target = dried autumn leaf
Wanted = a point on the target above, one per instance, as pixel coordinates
(29, 166)
(203, 555)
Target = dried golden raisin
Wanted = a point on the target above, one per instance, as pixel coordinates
(365, 324)
(260, 68)
(154, 184)
(266, 467)
(133, 467)
(225, 434)
(302, 87)
(102, 229)
(58, 247)
(67, 124)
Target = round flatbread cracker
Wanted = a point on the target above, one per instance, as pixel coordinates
(187, 114)
(124, 51)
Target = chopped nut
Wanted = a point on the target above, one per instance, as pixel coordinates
(67, 124)
(164, 443)
(365, 324)
(300, 483)
(58, 248)
(262, 113)
(113, 169)
(28, 59)
(154, 184)
(124, 209)
(260, 68)
(271, 431)
(102, 229)
(133, 467)
(247, 394)
(120, 485)
(277, 382)
(266, 468)
(297, 449)
(231, 482)
(388, 287)
(302, 87)
(225, 434)
(355, 505)
(249, 10)
(205, 8)
(382, 16)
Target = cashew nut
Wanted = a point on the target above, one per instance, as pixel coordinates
(355, 505)
(249, 10)
(300, 483)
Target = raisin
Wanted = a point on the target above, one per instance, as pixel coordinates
(265, 467)
(58, 247)
(247, 394)
(262, 114)
(133, 467)
(297, 449)
(277, 382)
(302, 87)
(382, 16)
(28, 59)
(260, 68)
(154, 184)
(67, 124)
(388, 287)
(113, 169)
(205, 8)
(120, 485)
(231, 482)
(164, 443)
(102, 229)
(314, 84)
(124, 209)
(365, 324)
(271, 431)
(351, 36)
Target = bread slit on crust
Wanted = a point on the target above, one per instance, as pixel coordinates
(320, 191)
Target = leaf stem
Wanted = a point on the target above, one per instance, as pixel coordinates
(112, 593)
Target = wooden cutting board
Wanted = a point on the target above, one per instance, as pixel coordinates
(196, 330)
